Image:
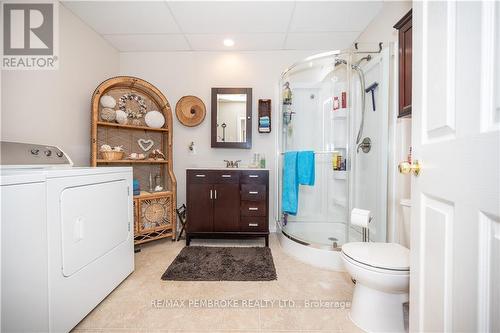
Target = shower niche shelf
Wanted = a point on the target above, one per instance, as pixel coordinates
(340, 202)
(340, 174)
(340, 114)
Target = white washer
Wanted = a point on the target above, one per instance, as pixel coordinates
(67, 237)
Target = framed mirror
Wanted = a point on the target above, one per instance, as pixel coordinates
(232, 118)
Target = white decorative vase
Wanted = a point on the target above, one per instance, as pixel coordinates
(121, 117)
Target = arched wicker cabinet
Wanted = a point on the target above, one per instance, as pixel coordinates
(154, 212)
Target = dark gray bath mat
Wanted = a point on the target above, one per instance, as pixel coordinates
(201, 263)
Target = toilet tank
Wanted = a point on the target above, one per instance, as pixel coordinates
(405, 223)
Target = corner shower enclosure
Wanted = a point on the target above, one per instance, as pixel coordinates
(331, 112)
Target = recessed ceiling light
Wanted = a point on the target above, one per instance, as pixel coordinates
(228, 42)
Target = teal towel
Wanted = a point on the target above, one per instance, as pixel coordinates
(264, 118)
(298, 169)
(290, 193)
(305, 166)
(264, 122)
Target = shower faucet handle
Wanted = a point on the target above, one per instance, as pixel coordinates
(365, 145)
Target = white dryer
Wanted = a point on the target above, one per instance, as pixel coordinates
(88, 249)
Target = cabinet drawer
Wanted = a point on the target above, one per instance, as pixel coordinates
(254, 224)
(199, 177)
(253, 192)
(254, 177)
(226, 177)
(253, 208)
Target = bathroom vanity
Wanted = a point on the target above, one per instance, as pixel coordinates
(227, 203)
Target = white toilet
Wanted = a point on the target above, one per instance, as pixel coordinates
(382, 274)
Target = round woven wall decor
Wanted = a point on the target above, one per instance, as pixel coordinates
(190, 110)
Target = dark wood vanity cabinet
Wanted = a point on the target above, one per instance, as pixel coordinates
(405, 62)
(227, 203)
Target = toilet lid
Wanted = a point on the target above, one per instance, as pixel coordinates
(381, 255)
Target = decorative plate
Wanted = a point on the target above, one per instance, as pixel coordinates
(155, 212)
(190, 110)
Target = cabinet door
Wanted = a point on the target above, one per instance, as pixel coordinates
(199, 207)
(226, 207)
(405, 64)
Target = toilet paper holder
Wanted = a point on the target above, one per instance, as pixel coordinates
(366, 231)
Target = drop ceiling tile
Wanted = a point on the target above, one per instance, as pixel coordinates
(323, 16)
(320, 41)
(232, 16)
(148, 42)
(242, 42)
(123, 17)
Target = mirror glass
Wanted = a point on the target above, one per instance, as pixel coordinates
(231, 117)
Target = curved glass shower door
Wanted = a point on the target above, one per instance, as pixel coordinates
(336, 104)
(315, 116)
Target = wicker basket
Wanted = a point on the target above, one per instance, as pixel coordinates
(112, 155)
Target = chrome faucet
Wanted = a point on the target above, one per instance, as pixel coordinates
(232, 164)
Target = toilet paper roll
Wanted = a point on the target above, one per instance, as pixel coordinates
(360, 217)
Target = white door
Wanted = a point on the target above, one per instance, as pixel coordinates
(455, 233)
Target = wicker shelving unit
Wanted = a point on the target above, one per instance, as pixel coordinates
(154, 212)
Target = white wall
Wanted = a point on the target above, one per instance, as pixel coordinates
(381, 30)
(53, 107)
(194, 73)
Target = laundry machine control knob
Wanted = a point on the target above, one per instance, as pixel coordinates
(59, 154)
(35, 151)
(48, 152)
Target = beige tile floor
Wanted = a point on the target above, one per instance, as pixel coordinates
(130, 307)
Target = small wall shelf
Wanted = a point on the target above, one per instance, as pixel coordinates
(340, 114)
(340, 202)
(340, 174)
(264, 110)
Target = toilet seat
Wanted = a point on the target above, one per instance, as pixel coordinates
(390, 257)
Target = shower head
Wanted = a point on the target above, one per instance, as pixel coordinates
(367, 58)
